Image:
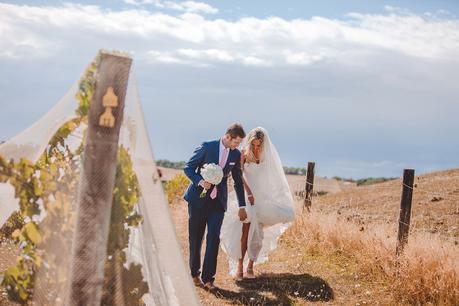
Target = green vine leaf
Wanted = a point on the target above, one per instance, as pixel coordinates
(31, 231)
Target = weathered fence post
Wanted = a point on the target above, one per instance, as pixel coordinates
(309, 186)
(95, 191)
(405, 210)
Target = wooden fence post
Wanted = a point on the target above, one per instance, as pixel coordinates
(95, 191)
(405, 210)
(309, 186)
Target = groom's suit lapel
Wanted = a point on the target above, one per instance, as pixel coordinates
(216, 152)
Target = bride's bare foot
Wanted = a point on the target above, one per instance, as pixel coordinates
(240, 272)
(250, 273)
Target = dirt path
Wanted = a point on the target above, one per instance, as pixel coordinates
(289, 277)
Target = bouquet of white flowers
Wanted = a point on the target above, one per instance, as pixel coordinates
(211, 173)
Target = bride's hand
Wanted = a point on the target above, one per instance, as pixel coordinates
(251, 199)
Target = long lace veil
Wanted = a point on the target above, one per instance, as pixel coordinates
(271, 173)
(39, 176)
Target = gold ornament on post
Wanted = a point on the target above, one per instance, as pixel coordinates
(109, 101)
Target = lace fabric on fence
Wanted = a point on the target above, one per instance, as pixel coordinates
(39, 176)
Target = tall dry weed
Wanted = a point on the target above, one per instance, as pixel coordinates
(426, 272)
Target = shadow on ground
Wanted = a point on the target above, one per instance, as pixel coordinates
(275, 289)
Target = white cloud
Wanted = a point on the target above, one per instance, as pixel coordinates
(192, 7)
(165, 57)
(396, 9)
(204, 57)
(185, 6)
(255, 61)
(301, 58)
(212, 54)
(196, 40)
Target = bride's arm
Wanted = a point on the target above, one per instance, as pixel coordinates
(246, 185)
(249, 192)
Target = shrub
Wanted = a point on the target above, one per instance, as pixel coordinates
(176, 187)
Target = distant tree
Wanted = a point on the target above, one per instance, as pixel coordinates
(342, 179)
(294, 170)
(365, 181)
(374, 180)
(169, 164)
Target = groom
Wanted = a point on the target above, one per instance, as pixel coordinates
(209, 211)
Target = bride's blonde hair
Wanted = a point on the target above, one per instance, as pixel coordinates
(255, 134)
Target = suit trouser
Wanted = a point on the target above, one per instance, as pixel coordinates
(210, 215)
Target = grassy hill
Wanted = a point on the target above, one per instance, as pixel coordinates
(343, 252)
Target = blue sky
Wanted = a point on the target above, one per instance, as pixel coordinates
(286, 9)
(364, 88)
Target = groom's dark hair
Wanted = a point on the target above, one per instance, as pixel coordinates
(235, 130)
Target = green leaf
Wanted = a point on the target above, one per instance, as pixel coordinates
(37, 187)
(23, 294)
(13, 272)
(31, 230)
(53, 169)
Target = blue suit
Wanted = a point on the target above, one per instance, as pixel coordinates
(209, 212)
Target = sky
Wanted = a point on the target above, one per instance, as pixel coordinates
(363, 88)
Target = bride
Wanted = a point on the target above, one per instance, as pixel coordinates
(270, 210)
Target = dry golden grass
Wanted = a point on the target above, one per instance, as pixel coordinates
(361, 224)
(426, 273)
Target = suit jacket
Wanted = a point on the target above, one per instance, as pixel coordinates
(206, 153)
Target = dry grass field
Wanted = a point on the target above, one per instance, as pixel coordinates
(343, 252)
(435, 204)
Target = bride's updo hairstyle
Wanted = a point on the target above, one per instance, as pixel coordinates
(255, 134)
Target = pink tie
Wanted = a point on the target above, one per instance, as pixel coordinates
(222, 164)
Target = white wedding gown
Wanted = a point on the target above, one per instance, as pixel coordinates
(269, 217)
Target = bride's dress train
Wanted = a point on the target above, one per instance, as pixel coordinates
(269, 217)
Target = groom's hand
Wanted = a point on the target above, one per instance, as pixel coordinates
(242, 214)
(204, 184)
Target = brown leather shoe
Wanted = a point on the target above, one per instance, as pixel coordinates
(210, 286)
(197, 282)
